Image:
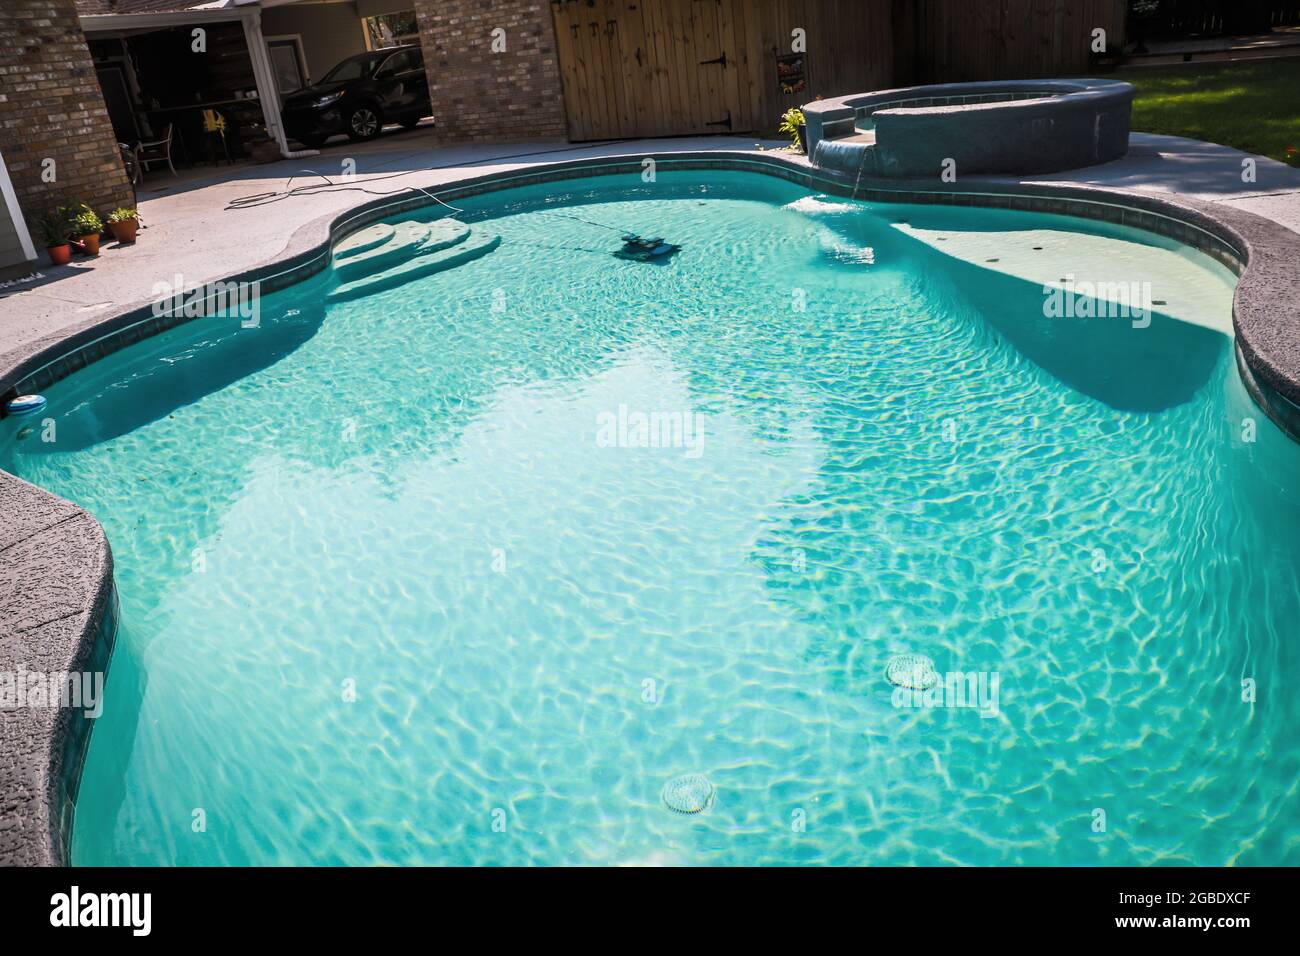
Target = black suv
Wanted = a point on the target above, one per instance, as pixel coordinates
(359, 96)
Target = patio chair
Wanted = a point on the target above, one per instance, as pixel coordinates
(130, 164)
(156, 151)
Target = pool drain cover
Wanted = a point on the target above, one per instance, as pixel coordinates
(689, 793)
(913, 671)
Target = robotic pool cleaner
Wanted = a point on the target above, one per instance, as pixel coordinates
(640, 249)
(636, 248)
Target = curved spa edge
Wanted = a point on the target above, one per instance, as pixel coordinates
(1007, 126)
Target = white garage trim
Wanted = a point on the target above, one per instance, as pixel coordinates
(15, 212)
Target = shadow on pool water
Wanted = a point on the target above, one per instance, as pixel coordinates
(171, 371)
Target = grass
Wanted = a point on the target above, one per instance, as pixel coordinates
(1253, 106)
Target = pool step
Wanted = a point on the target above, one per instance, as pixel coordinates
(408, 239)
(438, 250)
(363, 240)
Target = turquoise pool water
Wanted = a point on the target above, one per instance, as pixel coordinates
(399, 586)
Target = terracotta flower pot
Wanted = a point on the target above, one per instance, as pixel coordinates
(60, 255)
(90, 244)
(124, 231)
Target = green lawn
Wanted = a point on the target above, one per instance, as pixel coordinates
(1254, 106)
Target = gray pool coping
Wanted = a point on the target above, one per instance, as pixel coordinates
(57, 615)
(57, 601)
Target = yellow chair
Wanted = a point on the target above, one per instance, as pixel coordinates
(214, 124)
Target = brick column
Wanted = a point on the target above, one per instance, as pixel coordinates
(478, 94)
(51, 107)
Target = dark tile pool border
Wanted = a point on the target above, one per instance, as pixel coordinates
(57, 599)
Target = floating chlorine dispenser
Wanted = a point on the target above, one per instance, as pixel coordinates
(25, 405)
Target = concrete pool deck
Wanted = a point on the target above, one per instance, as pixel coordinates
(56, 590)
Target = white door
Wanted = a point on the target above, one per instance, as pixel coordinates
(287, 66)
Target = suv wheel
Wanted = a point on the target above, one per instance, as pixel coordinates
(364, 122)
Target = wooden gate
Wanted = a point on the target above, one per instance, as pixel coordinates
(634, 68)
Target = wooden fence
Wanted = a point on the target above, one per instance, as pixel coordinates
(1187, 18)
(957, 40)
(633, 68)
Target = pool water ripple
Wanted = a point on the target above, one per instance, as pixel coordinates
(390, 597)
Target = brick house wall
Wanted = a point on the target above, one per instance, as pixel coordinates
(51, 107)
(478, 94)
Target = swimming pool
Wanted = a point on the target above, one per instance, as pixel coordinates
(400, 582)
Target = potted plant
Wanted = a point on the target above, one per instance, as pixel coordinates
(123, 223)
(55, 229)
(792, 122)
(87, 226)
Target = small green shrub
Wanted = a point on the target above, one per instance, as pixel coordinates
(85, 222)
(791, 120)
(55, 226)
